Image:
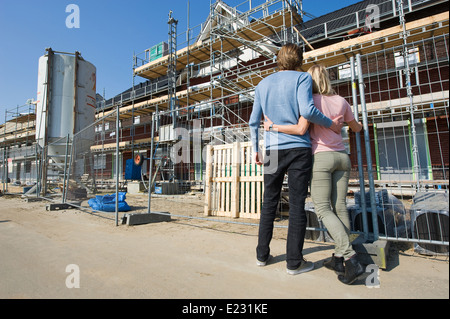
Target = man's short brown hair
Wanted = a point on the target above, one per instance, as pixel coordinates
(290, 57)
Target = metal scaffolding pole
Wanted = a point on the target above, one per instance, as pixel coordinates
(359, 151)
(172, 67)
(150, 179)
(411, 107)
(368, 151)
(117, 164)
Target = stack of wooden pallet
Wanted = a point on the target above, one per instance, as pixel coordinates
(234, 183)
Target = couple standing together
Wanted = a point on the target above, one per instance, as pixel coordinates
(290, 100)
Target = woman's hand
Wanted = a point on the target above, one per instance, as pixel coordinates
(337, 124)
(267, 123)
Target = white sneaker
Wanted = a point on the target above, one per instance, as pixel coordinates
(305, 266)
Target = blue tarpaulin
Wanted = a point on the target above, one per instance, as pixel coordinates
(107, 203)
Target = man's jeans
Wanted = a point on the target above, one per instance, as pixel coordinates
(297, 162)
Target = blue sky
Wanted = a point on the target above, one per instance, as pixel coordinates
(110, 32)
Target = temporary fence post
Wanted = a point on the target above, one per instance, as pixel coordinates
(235, 169)
(359, 151)
(72, 148)
(38, 170)
(65, 171)
(5, 160)
(5, 169)
(368, 151)
(150, 178)
(209, 172)
(117, 166)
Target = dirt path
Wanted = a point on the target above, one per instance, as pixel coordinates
(177, 259)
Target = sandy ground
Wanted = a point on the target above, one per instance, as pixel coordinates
(185, 259)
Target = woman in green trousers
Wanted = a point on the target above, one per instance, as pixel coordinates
(330, 172)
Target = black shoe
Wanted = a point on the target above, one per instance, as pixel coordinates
(263, 263)
(353, 269)
(336, 264)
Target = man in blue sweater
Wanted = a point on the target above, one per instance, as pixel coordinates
(284, 97)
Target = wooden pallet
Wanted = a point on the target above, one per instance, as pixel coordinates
(234, 183)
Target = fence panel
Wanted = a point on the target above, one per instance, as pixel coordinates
(407, 114)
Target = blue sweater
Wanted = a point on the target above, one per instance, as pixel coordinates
(284, 97)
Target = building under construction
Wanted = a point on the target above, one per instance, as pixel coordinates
(212, 79)
(388, 58)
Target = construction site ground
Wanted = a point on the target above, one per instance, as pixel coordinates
(180, 259)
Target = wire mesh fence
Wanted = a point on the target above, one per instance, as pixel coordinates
(404, 150)
(406, 95)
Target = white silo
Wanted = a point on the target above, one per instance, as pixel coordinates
(65, 101)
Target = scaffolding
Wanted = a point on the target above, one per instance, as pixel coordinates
(18, 156)
(235, 48)
(210, 79)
